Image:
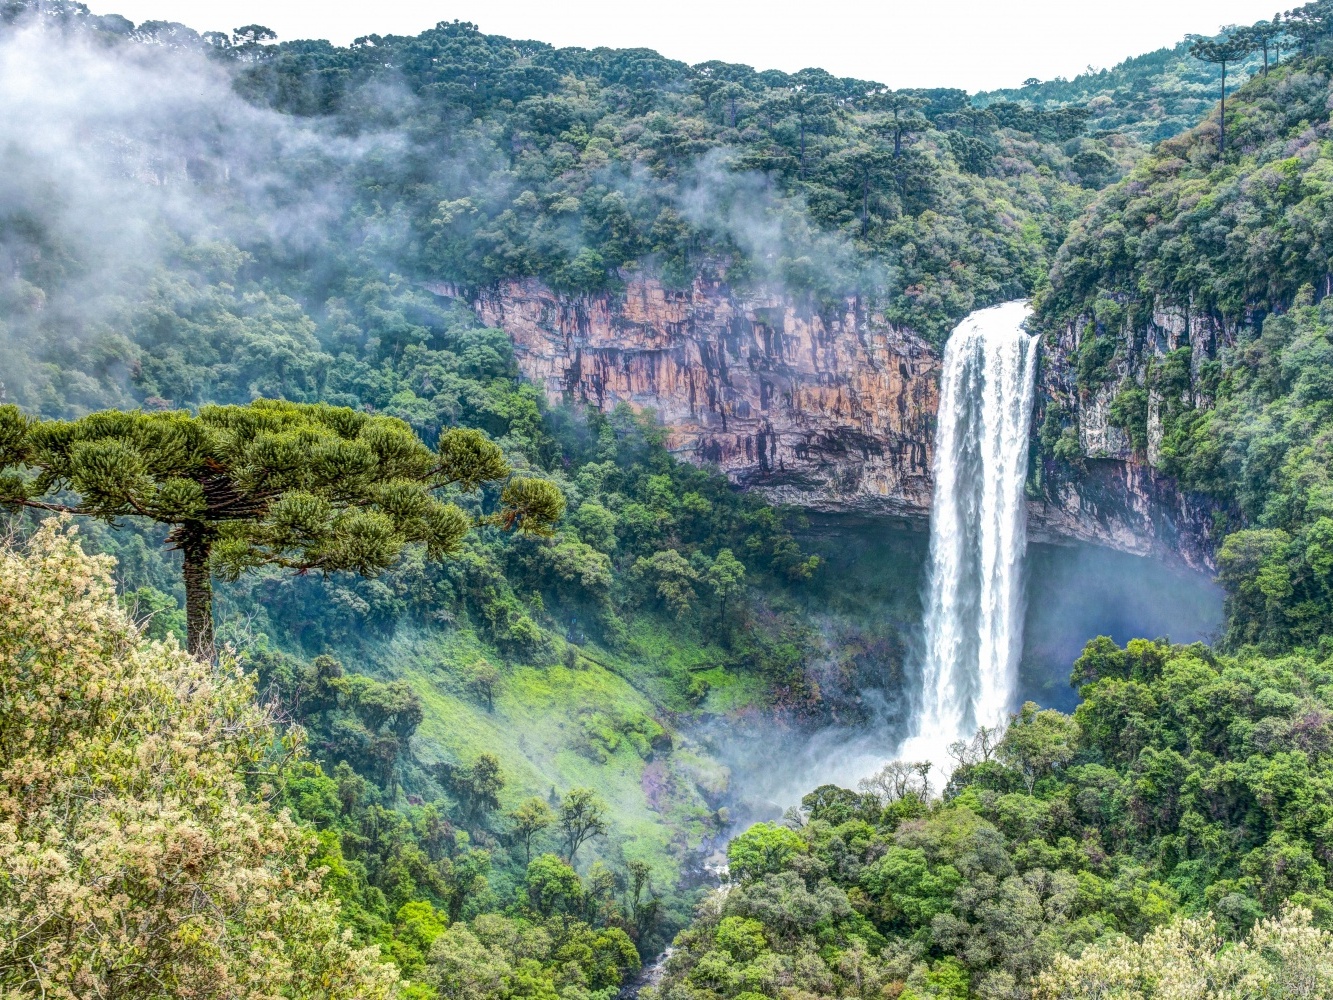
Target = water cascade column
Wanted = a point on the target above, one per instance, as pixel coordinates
(978, 532)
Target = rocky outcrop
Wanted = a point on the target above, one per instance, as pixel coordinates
(1128, 506)
(831, 409)
(1171, 328)
(1119, 497)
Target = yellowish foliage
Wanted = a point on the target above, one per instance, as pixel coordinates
(1283, 957)
(136, 858)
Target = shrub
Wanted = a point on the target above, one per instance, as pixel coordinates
(140, 857)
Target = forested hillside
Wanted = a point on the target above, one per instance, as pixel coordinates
(1198, 291)
(519, 704)
(489, 757)
(1189, 780)
(1149, 97)
(500, 158)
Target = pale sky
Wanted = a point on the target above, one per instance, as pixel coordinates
(974, 44)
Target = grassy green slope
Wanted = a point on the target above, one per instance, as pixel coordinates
(600, 719)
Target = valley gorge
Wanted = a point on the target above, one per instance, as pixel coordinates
(490, 520)
(830, 409)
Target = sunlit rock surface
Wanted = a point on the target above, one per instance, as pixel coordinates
(829, 409)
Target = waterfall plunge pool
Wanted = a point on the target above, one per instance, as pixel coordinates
(928, 637)
(868, 600)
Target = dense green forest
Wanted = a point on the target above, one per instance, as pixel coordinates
(1188, 779)
(1185, 780)
(481, 756)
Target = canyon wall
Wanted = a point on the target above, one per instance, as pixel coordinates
(1119, 496)
(827, 409)
(831, 409)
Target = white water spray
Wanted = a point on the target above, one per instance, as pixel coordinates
(978, 532)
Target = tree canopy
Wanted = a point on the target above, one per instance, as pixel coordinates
(141, 854)
(298, 485)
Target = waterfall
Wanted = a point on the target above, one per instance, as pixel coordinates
(978, 532)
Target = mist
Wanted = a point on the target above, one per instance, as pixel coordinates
(1080, 591)
(1074, 592)
(122, 160)
(118, 159)
(129, 157)
(774, 233)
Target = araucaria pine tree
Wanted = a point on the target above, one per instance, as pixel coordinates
(1221, 51)
(308, 487)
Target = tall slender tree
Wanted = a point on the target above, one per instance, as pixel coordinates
(1264, 36)
(864, 167)
(731, 95)
(901, 117)
(811, 113)
(308, 487)
(1221, 51)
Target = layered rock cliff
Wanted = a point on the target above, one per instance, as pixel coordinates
(1141, 509)
(828, 409)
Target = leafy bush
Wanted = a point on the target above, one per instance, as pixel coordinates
(141, 853)
(1281, 957)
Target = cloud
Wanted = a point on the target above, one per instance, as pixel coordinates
(784, 247)
(113, 156)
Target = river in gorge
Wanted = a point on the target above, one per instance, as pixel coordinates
(943, 630)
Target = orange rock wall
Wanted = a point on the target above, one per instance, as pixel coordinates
(827, 409)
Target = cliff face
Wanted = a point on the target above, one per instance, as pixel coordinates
(833, 410)
(1121, 497)
(1128, 506)
(1172, 328)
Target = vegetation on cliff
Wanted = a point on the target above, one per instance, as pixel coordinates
(581, 164)
(1227, 237)
(500, 158)
(1237, 246)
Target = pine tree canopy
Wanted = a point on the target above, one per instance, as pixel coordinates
(297, 485)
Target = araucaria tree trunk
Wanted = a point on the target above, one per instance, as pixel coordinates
(195, 548)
